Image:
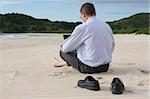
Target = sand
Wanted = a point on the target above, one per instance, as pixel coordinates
(27, 72)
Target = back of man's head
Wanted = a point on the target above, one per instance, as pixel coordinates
(88, 9)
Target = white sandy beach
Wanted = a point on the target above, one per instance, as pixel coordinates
(27, 72)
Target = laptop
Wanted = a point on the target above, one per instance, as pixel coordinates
(66, 36)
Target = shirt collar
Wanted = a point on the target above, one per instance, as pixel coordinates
(91, 18)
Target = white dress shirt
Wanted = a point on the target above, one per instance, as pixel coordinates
(93, 41)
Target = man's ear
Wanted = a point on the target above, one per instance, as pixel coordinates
(93, 14)
(84, 15)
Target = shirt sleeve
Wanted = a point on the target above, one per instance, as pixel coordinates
(75, 40)
(113, 41)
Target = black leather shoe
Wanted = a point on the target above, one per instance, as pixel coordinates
(117, 86)
(89, 83)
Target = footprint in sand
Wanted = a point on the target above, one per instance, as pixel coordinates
(129, 91)
(144, 71)
(141, 83)
(99, 77)
(130, 64)
(8, 74)
(58, 74)
(111, 70)
(125, 63)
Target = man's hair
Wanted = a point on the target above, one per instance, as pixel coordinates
(88, 9)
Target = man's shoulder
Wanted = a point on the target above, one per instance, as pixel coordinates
(81, 26)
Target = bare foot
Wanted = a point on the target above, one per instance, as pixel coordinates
(60, 64)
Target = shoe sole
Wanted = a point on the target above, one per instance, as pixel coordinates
(90, 88)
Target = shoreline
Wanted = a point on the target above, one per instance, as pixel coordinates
(7, 36)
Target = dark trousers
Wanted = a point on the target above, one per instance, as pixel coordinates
(72, 60)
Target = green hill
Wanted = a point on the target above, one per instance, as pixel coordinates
(20, 23)
(138, 24)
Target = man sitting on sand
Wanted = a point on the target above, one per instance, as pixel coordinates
(90, 46)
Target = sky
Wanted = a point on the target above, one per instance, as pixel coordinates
(69, 10)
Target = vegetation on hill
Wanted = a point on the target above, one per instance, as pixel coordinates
(20, 23)
(138, 24)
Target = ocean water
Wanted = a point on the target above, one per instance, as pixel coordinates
(25, 36)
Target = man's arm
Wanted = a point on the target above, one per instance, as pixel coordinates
(75, 40)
